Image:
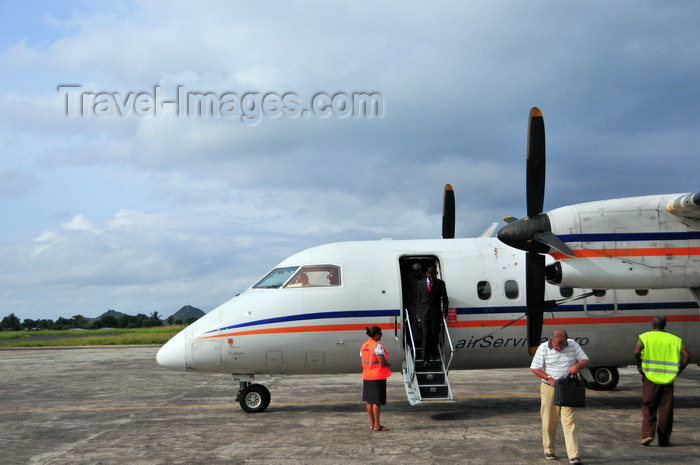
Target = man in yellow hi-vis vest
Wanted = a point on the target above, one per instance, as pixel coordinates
(660, 357)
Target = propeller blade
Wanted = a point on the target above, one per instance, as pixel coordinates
(549, 239)
(534, 288)
(534, 233)
(448, 213)
(536, 163)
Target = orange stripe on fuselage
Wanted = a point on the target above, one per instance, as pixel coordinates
(461, 324)
(637, 252)
(304, 329)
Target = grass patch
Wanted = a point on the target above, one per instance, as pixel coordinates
(97, 337)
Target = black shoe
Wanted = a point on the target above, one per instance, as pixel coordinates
(576, 461)
(550, 456)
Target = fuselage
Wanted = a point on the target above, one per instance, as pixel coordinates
(318, 327)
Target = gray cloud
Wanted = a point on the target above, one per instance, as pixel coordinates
(16, 183)
(173, 210)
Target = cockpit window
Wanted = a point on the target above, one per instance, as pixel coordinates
(316, 276)
(275, 278)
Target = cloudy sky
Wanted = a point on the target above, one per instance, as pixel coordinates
(114, 195)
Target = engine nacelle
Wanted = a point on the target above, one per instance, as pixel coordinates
(687, 205)
(649, 242)
(614, 273)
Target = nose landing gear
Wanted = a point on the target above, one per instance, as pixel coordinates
(253, 398)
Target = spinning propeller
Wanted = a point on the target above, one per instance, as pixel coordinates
(534, 233)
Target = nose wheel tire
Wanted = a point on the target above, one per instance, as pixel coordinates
(254, 399)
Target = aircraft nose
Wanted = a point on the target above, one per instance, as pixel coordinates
(172, 354)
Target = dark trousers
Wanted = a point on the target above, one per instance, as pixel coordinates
(430, 329)
(657, 410)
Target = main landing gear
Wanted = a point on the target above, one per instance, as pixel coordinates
(253, 398)
(604, 378)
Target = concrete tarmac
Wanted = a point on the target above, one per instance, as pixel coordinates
(116, 406)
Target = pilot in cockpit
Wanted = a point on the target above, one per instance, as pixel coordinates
(301, 280)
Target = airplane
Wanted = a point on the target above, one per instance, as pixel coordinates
(600, 270)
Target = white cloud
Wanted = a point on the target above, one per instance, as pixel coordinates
(79, 222)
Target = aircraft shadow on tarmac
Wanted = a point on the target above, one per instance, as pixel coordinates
(479, 409)
(446, 411)
(483, 408)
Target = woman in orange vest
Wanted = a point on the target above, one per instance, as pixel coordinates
(375, 371)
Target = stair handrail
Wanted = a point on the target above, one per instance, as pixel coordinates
(410, 367)
(449, 340)
(410, 333)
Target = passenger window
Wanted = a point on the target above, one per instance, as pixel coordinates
(599, 292)
(316, 276)
(641, 292)
(511, 289)
(483, 290)
(566, 292)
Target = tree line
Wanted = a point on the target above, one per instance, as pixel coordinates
(12, 323)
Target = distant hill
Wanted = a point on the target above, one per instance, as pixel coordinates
(113, 313)
(186, 313)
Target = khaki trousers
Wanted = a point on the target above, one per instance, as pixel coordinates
(551, 414)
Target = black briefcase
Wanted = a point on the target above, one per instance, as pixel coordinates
(570, 391)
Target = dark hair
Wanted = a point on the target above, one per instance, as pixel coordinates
(373, 331)
(659, 322)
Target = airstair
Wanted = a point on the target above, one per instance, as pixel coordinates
(426, 382)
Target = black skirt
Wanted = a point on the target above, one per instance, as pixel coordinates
(374, 391)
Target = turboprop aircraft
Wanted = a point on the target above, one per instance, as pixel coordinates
(600, 270)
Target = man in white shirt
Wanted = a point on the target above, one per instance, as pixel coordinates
(555, 359)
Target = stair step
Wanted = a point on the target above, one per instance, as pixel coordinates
(431, 378)
(434, 391)
(432, 366)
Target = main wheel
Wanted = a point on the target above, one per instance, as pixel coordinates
(255, 398)
(605, 378)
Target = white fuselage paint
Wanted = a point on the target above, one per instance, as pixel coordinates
(314, 330)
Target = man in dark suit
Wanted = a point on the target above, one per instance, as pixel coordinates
(432, 307)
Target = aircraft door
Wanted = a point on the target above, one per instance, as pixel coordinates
(206, 354)
(412, 271)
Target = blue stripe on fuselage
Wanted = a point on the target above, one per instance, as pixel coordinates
(314, 316)
(568, 308)
(631, 237)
